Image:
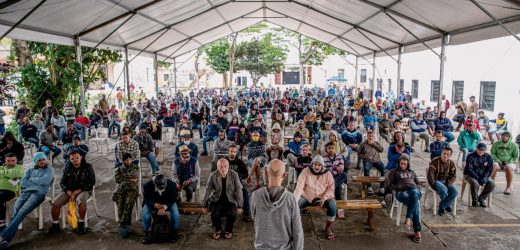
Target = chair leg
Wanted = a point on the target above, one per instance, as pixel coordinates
(462, 189)
(392, 209)
(455, 207)
(40, 217)
(398, 216)
(94, 202)
(116, 216)
(490, 197)
(434, 208)
(469, 199)
(86, 219)
(64, 214)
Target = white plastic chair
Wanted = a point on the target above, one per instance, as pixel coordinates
(91, 199)
(159, 144)
(101, 136)
(464, 183)
(399, 205)
(429, 190)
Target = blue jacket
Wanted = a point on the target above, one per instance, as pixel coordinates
(436, 148)
(479, 167)
(37, 179)
(212, 130)
(369, 119)
(444, 125)
(418, 126)
(295, 147)
(352, 137)
(393, 157)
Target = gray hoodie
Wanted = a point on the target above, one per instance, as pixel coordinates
(277, 219)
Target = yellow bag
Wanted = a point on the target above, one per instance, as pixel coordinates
(72, 219)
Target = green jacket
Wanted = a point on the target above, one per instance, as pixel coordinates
(505, 151)
(468, 140)
(8, 174)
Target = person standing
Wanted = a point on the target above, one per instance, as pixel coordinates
(276, 214)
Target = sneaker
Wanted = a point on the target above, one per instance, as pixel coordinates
(427, 150)
(382, 191)
(123, 232)
(370, 191)
(441, 212)
(389, 199)
(448, 209)
(474, 204)
(204, 153)
(53, 229)
(147, 238)
(81, 228)
(482, 203)
(3, 243)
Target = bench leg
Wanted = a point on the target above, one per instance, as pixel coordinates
(370, 220)
(363, 186)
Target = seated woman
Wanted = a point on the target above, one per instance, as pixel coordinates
(404, 182)
(8, 145)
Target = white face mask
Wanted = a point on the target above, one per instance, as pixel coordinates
(187, 142)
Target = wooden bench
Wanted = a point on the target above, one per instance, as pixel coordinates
(369, 205)
(365, 180)
(190, 208)
(286, 139)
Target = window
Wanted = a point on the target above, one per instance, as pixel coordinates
(457, 92)
(341, 73)
(166, 77)
(379, 83)
(487, 95)
(191, 76)
(401, 85)
(435, 91)
(389, 84)
(363, 76)
(415, 89)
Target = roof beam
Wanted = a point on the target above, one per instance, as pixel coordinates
(221, 16)
(352, 48)
(343, 21)
(175, 51)
(181, 21)
(22, 19)
(305, 15)
(150, 44)
(318, 28)
(130, 12)
(495, 19)
(210, 29)
(113, 31)
(8, 3)
(385, 9)
(377, 45)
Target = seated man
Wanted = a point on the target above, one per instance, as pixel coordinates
(437, 146)
(334, 163)
(479, 166)
(10, 145)
(76, 145)
(395, 151)
(210, 134)
(303, 160)
(326, 132)
(352, 138)
(186, 140)
(81, 124)
(34, 185)
(29, 132)
(316, 188)
(47, 139)
(114, 121)
(221, 145)
(304, 132)
(442, 174)
(256, 157)
(186, 172)
(127, 191)
(224, 197)
(69, 133)
(10, 175)
(160, 196)
(369, 151)
(468, 140)
(505, 156)
(385, 127)
(127, 145)
(147, 148)
(38, 123)
(443, 123)
(77, 182)
(420, 129)
(59, 124)
(275, 140)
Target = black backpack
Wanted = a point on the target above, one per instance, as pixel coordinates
(161, 228)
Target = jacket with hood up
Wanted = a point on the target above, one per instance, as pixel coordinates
(277, 219)
(505, 151)
(315, 185)
(398, 179)
(275, 138)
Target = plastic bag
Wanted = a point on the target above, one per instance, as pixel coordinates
(72, 218)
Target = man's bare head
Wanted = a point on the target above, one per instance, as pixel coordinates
(276, 172)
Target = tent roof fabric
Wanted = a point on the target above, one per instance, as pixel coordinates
(172, 28)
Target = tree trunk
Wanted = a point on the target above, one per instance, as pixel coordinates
(22, 53)
(224, 79)
(300, 60)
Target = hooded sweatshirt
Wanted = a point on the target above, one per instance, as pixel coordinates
(315, 185)
(468, 140)
(399, 179)
(276, 137)
(277, 219)
(505, 151)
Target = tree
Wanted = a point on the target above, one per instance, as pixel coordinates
(50, 71)
(217, 57)
(260, 57)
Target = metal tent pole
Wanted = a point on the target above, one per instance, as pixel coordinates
(156, 69)
(495, 19)
(357, 67)
(373, 82)
(79, 59)
(127, 74)
(445, 38)
(175, 76)
(399, 62)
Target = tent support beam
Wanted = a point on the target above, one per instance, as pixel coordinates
(399, 62)
(79, 59)
(377, 45)
(113, 31)
(127, 73)
(181, 21)
(174, 75)
(373, 82)
(150, 44)
(156, 71)
(357, 69)
(495, 19)
(411, 33)
(348, 45)
(22, 19)
(175, 51)
(8, 3)
(445, 38)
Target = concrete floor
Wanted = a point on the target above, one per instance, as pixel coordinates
(497, 227)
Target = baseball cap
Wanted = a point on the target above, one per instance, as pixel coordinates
(482, 146)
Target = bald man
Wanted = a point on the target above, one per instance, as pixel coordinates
(275, 213)
(224, 197)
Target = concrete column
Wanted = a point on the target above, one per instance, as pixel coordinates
(127, 74)
(399, 62)
(445, 40)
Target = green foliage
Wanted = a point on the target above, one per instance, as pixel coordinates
(13, 128)
(260, 57)
(163, 65)
(315, 51)
(55, 73)
(217, 55)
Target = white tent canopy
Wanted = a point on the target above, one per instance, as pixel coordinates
(171, 28)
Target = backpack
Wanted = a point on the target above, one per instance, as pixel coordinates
(161, 228)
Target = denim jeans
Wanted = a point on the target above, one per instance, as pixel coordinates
(60, 131)
(152, 159)
(220, 209)
(206, 139)
(112, 125)
(2, 129)
(20, 133)
(47, 151)
(26, 202)
(378, 165)
(199, 127)
(411, 198)
(81, 129)
(465, 152)
(245, 194)
(316, 137)
(449, 136)
(348, 159)
(447, 194)
(339, 180)
(33, 140)
(172, 209)
(329, 204)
